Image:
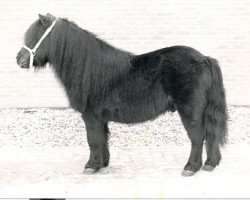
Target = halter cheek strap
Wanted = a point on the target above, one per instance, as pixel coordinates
(32, 54)
(33, 51)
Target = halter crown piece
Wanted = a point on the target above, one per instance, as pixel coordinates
(33, 51)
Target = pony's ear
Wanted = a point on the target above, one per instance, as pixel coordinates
(52, 17)
(44, 19)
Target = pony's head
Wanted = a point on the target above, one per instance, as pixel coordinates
(32, 36)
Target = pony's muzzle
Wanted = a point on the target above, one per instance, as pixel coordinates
(22, 59)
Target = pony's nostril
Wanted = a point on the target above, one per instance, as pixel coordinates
(18, 57)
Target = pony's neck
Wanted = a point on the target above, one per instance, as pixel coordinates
(71, 45)
(84, 62)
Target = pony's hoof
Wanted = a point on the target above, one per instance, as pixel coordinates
(89, 171)
(187, 173)
(208, 168)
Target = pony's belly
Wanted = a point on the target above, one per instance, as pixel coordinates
(136, 113)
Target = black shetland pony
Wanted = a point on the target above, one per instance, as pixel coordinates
(107, 84)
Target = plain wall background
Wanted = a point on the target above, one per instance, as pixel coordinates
(218, 28)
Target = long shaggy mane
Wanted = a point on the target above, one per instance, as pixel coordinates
(84, 63)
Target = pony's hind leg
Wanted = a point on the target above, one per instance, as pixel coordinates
(97, 136)
(215, 117)
(192, 122)
(213, 154)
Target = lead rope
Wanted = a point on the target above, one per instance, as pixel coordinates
(33, 51)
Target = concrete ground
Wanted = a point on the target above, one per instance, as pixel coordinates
(37, 159)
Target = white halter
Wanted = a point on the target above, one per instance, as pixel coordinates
(33, 51)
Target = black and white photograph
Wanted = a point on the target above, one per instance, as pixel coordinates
(124, 99)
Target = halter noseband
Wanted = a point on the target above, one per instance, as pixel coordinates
(33, 51)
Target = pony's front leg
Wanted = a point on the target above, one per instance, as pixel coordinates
(97, 136)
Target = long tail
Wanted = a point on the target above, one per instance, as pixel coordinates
(215, 115)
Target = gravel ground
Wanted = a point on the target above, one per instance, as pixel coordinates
(44, 150)
(51, 127)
